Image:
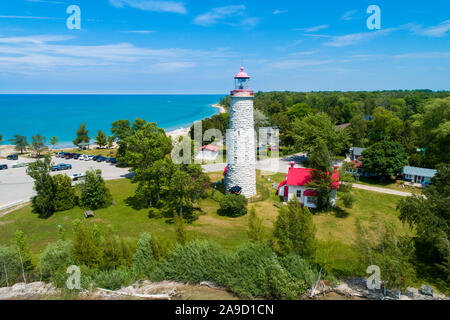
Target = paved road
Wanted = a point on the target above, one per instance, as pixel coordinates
(382, 190)
(16, 186)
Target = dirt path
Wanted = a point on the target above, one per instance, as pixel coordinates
(382, 190)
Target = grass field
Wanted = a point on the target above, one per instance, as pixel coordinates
(338, 226)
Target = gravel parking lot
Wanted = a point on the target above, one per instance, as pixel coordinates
(16, 186)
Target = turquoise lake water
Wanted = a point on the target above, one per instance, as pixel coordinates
(61, 115)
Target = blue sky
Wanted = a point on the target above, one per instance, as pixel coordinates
(143, 46)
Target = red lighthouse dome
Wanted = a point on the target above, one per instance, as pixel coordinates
(242, 84)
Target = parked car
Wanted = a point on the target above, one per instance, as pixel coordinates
(82, 157)
(76, 156)
(101, 159)
(3, 166)
(12, 157)
(78, 178)
(113, 160)
(19, 165)
(89, 158)
(61, 166)
(94, 158)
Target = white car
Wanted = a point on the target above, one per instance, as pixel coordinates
(83, 157)
(88, 158)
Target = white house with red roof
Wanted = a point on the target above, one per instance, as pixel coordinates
(208, 152)
(296, 183)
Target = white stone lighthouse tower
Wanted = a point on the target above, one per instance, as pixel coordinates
(241, 152)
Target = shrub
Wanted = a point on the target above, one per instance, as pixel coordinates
(233, 206)
(255, 271)
(112, 279)
(300, 269)
(348, 199)
(9, 262)
(94, 193)
(64, 195)
(56, 256)
(144, 260)
(197, 261)
(88, 249)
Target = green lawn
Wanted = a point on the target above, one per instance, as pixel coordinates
(229, 232)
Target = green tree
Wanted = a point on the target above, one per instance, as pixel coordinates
(313, 130)
(101, 139)
(54, 141)
(320, 158)
(358, 131)
(385, 158)
(295, 231)
(94, 193)
(385, 126)
(144, 260)
(87, 244)
(38, 144)
(180, 229)
(188, 185)
(10, 267)
(430, 218)
(433, 130)
(146, 146)
(111, 141)
(255, 228)
(82, 135)
(43, 202)
(65, 197)
(299, 111)
(56, 257)
(23, 250)
(20, 143)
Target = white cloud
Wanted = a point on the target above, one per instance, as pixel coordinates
(217, 15)
(34, 54)
(349, 15)
(355, 38)
(299, 63)
(279, 11)
(29, 17)
(313, 29)
(139, 31)
(157, 6)
(436, 31)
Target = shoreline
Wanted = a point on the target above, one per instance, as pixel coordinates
(183, 131)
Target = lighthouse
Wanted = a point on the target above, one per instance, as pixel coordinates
(241, 152)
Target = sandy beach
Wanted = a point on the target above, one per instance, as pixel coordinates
(185, 131)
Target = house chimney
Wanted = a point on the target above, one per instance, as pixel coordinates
(292, 164)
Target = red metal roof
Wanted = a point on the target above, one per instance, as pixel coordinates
(242, 74)
(282, 184)
(210, 147)
(302, 176)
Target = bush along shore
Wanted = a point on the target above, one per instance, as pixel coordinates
(153, 268)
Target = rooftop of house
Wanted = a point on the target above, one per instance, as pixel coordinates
(302, 176)
(210, 147)
(416, 171)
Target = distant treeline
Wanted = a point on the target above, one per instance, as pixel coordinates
(418, 119)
